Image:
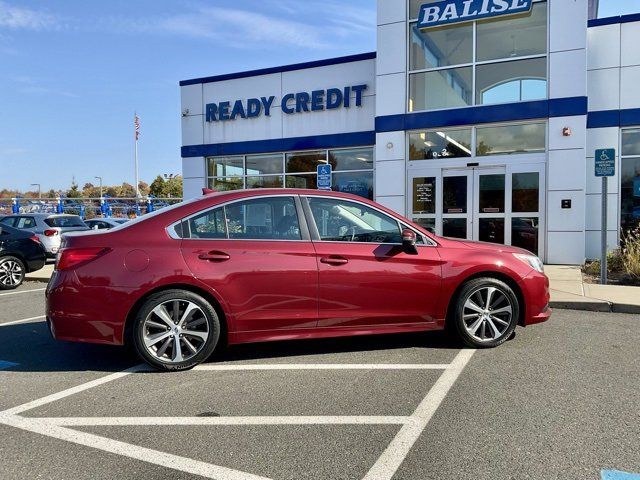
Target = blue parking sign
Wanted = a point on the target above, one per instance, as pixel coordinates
(324, 177)
(605, 162)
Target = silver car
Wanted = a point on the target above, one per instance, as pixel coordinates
(47, 226)
(105, 223)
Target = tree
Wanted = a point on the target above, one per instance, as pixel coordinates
(73, 192)
(173, 187)
(126, 190)
(157, 187)
(144, 188)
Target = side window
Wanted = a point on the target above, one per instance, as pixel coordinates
(26, 222)
(209, 224)
(345, 221)
(270, 218)
(8, 221)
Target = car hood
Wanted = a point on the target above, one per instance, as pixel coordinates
(473, 245)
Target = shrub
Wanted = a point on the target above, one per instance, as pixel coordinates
(615, 264)
(631, 253)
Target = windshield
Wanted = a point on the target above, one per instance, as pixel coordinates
(64, 222)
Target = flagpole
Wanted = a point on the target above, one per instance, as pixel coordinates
(135, 152)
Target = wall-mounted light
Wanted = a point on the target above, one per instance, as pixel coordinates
(390, 145)
(185, 112)
(566, 132)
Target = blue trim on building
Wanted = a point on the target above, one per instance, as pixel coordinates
(556, 107)
(598, 22)
(283, 68)
(614, 118)
(338, 140)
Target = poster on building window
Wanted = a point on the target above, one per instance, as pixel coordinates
(424, 190)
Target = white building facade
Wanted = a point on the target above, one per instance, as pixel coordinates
(477, 119)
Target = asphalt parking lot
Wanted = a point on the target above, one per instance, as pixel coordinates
(559, 401)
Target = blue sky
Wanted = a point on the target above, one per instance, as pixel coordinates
(72, 72)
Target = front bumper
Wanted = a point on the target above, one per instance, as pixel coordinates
(535, 289)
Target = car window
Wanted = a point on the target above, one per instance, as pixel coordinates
(25, 222)
(269, 218)
(62, 222)
(345, 221)
(8, 221)
(209, 224)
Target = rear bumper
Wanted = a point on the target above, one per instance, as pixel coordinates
(79, 313)
(535, 289)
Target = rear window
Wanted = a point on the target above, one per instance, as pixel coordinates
(63, 222)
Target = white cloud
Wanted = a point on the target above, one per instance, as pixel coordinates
(16, 18)
(241, 28)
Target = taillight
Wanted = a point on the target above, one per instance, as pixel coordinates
(50, 233)
(74, 257)
(35, 238)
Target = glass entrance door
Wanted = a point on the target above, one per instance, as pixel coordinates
(500, 204)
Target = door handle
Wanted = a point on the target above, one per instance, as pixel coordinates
(334, 260)
(214, 256)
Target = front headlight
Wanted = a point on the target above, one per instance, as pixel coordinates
(533, 261)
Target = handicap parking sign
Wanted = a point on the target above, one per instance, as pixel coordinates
(605, 162)
(324, 177)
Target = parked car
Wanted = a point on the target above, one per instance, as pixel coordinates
(20, 253)
(48, 227)
(105, 223)
(272, 264)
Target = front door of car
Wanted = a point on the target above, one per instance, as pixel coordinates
(365, 277)
(257, 256)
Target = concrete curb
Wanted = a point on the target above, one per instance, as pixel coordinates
(596, 306)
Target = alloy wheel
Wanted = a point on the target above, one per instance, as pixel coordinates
(487, 314)
(175, 330)
(10, 273)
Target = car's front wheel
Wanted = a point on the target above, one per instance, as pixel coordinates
(176, 330)
(486, 312)
(12, 272)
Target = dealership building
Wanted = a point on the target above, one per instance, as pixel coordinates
(477, 119)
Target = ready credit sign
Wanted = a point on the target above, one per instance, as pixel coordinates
(605, 162)
(457, 11)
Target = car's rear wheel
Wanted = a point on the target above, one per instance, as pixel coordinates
(12, 272)
(486, 312)
(176, 330)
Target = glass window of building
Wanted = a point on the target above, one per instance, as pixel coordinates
(305, 161)
(264, 164)
(630, 181)
(440, 144)
(525, 192)
(222, 184)
(351, 159)
(225, 166)
(355, 183)
(519, 36)
(511, 139)
(509, 63)
(515, 81)
(450, 88)
(272, 218)
(265, 181)
(424, 195)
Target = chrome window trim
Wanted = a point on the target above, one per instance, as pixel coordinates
(171, 228)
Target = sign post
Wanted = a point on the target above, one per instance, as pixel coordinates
(605, 166)
(324, 176)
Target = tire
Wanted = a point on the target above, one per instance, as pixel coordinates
(12, 272)
(170, 346)
(479, 325)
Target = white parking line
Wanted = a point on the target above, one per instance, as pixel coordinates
(23, 291)
(251, 420)
(135, 452)
(324, 366)
(393, 456)
(24, 320)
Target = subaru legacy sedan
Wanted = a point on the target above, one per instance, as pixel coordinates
(263, 265)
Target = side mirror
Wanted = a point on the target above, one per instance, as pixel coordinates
(409, 239)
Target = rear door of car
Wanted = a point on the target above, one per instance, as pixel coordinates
(256, 254)
(365, 277)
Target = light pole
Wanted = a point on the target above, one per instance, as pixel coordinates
(39, 189)
(99, 179)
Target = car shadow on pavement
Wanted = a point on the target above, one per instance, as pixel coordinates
(31, 347)
(355, 344)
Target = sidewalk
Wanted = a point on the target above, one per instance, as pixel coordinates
(42, 275)
(570, 292)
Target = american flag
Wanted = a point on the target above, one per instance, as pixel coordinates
(136, 124)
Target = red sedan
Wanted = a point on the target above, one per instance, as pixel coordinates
(261, 265)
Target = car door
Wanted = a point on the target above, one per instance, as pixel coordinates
(365, 278)
(257, 256)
